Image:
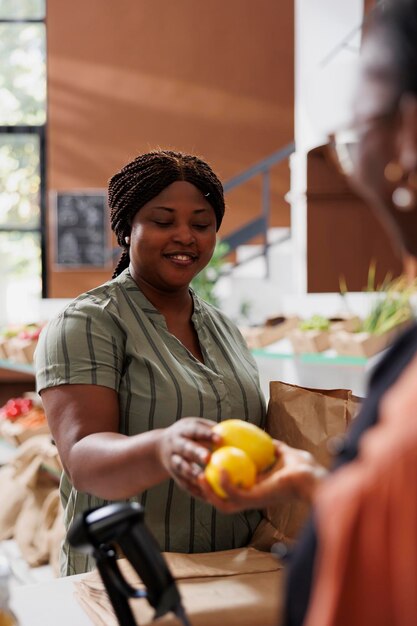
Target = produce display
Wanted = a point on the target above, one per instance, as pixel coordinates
(244, 453)
(389, 312)
(317, 322)
(389, 315)
(21, 418)
(273, 329)
(18, 342)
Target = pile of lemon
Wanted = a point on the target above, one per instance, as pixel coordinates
(245, 451)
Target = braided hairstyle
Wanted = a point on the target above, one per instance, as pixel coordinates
(147, 176)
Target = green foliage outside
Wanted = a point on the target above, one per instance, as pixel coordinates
(23, 102)
(22, 9)
(22, 74)
(19, 181)
(204, 283)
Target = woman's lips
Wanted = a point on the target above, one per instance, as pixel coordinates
(181, 259)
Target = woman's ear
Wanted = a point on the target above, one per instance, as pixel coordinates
(407, 137)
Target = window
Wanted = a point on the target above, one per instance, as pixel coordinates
(22, 151)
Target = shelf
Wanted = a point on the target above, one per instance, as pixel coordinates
(282, 350)
(322, 358)
(12, 366)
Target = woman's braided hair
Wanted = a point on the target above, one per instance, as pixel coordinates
(144, 178)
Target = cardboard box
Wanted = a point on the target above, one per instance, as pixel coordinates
(364, 344)
(351, 324)
(16, 434)
(273, 330)
(3, 349)
(20, 350)
(307, 341)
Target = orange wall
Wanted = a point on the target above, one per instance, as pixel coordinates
(344, 235)
(213, 78)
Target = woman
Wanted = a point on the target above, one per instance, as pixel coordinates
(362, 541)
(122, 368)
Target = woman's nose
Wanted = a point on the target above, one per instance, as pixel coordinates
(184, 234)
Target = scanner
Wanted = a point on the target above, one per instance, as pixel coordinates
(99, 532)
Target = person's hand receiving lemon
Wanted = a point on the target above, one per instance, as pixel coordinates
(230, 487)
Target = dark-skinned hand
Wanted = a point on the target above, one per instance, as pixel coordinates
(295, 474)
(184, 450)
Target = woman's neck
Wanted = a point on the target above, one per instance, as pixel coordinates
(169, 303)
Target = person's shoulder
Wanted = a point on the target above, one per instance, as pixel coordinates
(105, 297)
(98, 306)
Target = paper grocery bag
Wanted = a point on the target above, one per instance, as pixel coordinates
(308, 419)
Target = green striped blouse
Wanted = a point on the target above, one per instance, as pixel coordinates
(113, 336)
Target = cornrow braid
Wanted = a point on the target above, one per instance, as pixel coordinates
(147, 176)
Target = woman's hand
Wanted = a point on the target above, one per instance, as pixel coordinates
(295, 474)
(184, 449)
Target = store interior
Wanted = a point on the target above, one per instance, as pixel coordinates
(301, 265)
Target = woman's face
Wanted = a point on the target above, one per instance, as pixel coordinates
(172, 238)
(381, 129)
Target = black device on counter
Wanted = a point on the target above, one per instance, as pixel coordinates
(98, 532)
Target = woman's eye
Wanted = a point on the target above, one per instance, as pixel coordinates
(163, 224)
(201, 226)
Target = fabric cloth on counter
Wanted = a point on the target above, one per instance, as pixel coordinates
(228, 588)
(113, 336)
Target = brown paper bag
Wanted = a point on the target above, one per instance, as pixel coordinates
(30, 500)
(308, 419)
(39, 529)
(16, 480)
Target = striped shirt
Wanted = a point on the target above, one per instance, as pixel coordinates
(113, 336)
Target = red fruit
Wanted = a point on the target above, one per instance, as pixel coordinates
(16, 407)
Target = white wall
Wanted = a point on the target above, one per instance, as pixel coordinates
(323, 89)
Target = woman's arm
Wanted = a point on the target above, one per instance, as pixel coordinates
(84, 421)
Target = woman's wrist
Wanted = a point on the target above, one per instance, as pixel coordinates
(312, 479)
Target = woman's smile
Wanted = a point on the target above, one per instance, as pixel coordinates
(181, 259)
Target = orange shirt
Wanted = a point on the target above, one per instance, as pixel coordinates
(366, 573)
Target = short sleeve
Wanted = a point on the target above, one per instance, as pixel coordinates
(85, 344)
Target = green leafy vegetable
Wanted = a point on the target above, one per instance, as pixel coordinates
(317, 322)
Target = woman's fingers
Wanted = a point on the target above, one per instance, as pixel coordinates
(207, 493)
(186, 475)
(199, 429)
(190, 450)
(237, 499)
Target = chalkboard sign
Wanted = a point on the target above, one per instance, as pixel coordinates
(81, 230)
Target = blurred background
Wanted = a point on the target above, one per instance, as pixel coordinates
(252, 87)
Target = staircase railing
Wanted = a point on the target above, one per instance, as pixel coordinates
(258, 225)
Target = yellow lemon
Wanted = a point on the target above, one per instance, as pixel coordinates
(249, 438)
(239, 467)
